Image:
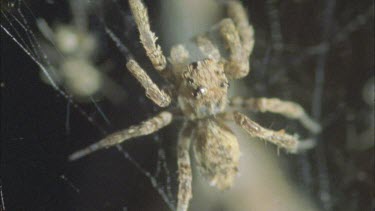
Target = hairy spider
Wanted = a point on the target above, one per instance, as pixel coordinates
(201, 90)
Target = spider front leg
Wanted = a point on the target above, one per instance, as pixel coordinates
(274, 105)
(238, 14)
(179, 59)
(184, 168)
(281, 139)
(239, 36)
(145, 128)
(159, 97)
(237, 65)
(147, 37)
(207, 47)
(179, 55)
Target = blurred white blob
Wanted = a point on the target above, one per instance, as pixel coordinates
(72, 48)
(81, 78)
(71, 41)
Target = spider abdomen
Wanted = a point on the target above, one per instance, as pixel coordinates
(216, 152)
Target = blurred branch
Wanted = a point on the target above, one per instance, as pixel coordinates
(324, 191)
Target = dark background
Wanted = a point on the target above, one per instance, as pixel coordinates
(35, 173)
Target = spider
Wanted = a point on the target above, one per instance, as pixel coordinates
(201, 89)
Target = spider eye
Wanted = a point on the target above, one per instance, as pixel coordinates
(194, 65)
(190, 81)
(224, 84)
(199, 91)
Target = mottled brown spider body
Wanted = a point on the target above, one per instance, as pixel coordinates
(216, 152)
(203, 91)
(201, 88)
(202, 95)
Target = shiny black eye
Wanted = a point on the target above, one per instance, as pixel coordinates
(190, 81)
(199, 91)
(194, 65)
(195, 93)
(224, 84)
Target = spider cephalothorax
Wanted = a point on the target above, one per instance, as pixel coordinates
(201, 91)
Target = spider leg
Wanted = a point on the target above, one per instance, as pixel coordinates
(179, 59)
(147, 37)
(279, 138)
(239, 36)
(179, 55)
(237, 65)
(145, 128)
(274, 105)
(238, 14)
(159, 97)
(207, 48)
(184, 168)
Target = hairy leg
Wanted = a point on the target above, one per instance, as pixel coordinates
(274, 105)
(239, 36)
(147, 37)
(184, 168)
(238, 14)
(237, 65)
(207, 48)
(179, 55)
(179, 58)
(145, 128)
(159, 97)
(281, 139)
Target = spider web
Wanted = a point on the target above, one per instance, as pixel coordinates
(296, 42)
(65, 124)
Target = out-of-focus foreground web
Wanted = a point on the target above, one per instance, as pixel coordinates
(64, 85)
